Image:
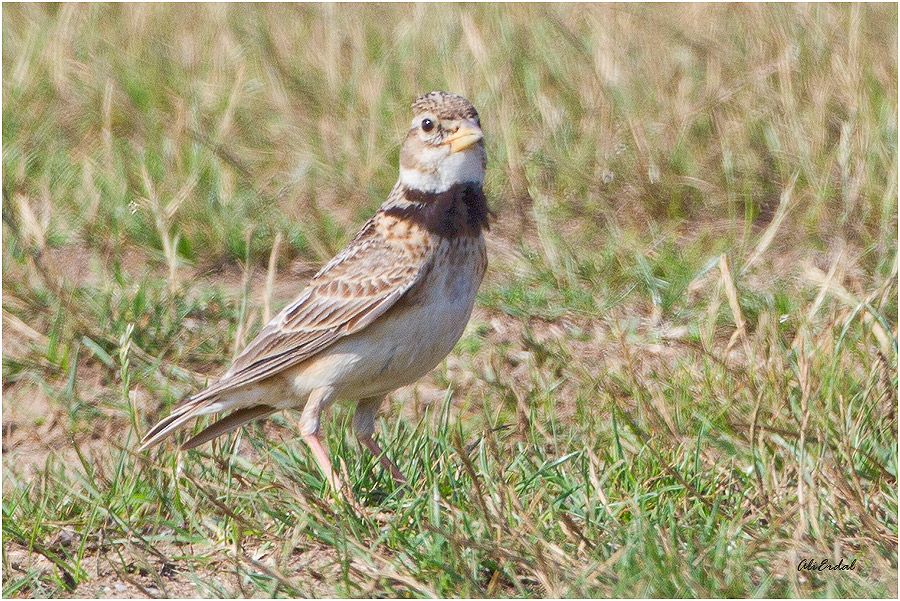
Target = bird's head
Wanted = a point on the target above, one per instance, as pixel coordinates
(444, 146)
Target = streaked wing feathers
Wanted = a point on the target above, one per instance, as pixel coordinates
(349, 293)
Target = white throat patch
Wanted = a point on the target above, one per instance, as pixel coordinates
(439, 170)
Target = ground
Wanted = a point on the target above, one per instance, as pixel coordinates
(680, 378)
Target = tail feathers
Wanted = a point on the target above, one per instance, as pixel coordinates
(227, 424)
(177, 418)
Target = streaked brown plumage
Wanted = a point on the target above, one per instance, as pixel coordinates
(381, 313)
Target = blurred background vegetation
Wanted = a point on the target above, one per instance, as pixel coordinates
(681, 375)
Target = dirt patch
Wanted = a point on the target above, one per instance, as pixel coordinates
(115, 574)
(36, 424)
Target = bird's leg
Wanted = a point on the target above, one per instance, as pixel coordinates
(364, 426)
(321, 456)
(318, 400)
(386, 463)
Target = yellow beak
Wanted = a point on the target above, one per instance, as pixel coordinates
(467, 134)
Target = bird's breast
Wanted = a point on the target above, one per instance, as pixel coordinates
(454, 275)
(427, 323)
(412, 337)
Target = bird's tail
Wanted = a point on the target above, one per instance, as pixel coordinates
(195, 407)
(231, 422)
(184, 412)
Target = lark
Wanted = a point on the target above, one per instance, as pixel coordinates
(383, 312)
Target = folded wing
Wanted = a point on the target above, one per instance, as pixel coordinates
(349, 293)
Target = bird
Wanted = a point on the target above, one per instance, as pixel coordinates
(383, 312)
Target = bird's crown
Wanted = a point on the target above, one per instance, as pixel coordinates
(444, 105)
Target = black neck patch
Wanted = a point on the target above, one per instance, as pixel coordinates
(461, 210)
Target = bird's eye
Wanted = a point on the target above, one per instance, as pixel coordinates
(427, 124)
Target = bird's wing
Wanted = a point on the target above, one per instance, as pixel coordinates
(349, 293)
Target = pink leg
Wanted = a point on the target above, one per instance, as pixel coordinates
(318, 400)
(321, 457)
(386, 463)
(364, 426)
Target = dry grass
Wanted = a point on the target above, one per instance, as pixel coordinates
(681, 375)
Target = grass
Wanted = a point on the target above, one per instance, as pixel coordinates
(681, 375)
